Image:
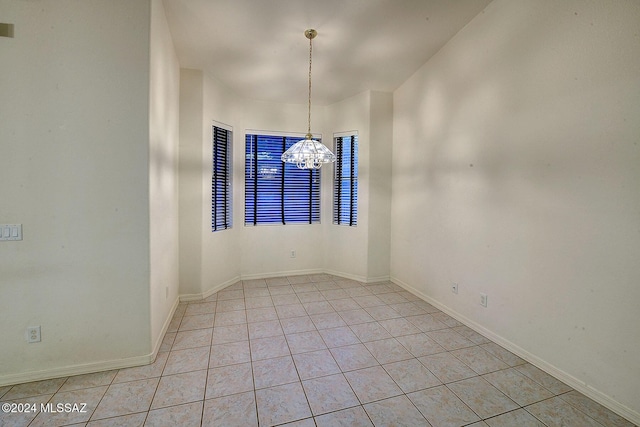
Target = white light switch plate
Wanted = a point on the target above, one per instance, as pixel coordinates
(10, 231)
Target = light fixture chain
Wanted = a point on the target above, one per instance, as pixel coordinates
(308, 153)
(309, 113)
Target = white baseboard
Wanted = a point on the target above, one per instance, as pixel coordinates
(575, 383)
(66, 371)
(359, 278)
(281, 274)
(571, 381)
(208, 292)
(221, 286)
(89, 368)
(346, 275)
(165, 327)
(378, 279)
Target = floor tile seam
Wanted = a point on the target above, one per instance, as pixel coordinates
(318, 376)
(480, 416)
(199, 329)
(83, 390)
(303, 391)
(255, 403)
(7, 390)
(32, 397)
(140, 412)
(434, 374)
(526, 408)
(471, 367)
(206, 379)
(214, 312)
(492, 371)
(405, 395)
(152, 398)
(113, 382)
(402, 393)
(188, 348)
(256, 388)
(338, 410)
(328, 345)
(500, 370)
(378, 364)
(539, 382)
(568, 403)
(413, 391)
(91, 420)
(514, 410)
(361, 406)
(203, 401)
(228, 299)
(183, 372)
(444, 382)
(329, 375)
(575, 406)
(398, 384)
(175, 405)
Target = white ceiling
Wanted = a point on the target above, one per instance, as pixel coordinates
(258, 47)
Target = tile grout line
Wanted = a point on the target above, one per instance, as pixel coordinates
(388, 302)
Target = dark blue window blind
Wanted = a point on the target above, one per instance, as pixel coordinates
(221, 180)
(345, 183)
(277, 192)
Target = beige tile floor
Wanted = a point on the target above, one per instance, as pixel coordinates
(315, 351)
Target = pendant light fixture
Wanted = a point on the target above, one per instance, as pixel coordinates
(309, 153)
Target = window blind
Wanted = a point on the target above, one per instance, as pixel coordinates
(277, 192)
(221, 182)
(345, 183)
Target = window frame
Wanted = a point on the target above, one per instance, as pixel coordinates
(339, 217)
(221, 177)
(278, 193)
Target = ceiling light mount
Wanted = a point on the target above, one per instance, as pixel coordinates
(309, 153)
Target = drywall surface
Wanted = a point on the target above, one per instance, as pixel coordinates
(75, 146)
(164, 93)
(379, 185)
(266, 249)
(362, 251)
(515, 173)
(190, 183)
(213, 259)
(221, 249)
(346, 248)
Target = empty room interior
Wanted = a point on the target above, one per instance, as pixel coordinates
(468, 257)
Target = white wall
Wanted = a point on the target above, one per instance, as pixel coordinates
(220, 250)
(164, 89)
(74, 138)
(379, 185)
(265, 250)
(515, 173)
(209, 261)
(362, 252)
(190, 188)
(346, 248)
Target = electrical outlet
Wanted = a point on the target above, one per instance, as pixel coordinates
(454, 288)
(33, 334)
(483, 299)
(293, 253)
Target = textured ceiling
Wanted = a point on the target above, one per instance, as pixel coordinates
(258, 48)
